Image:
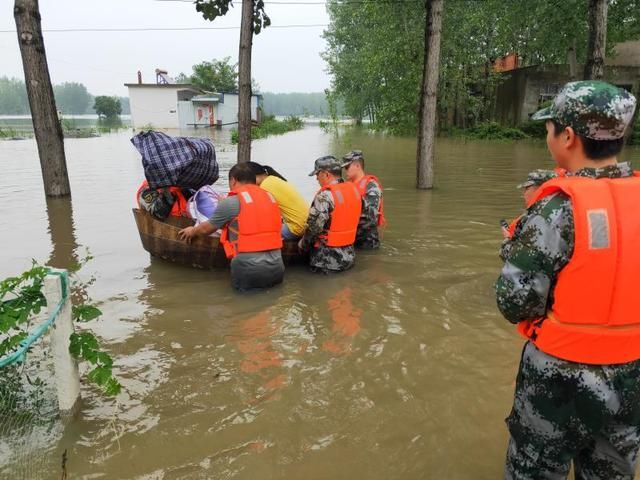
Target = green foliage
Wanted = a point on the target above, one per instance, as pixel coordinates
(494, 131)
(85, 346)
(8, 132)
(300, 104)
(634, 138)
(215, 76)
(72, 98)
(21, 297)
(13, 97)
(271, 126)
(212, 9)
(375, 52)
(107, 107)
(535, 129)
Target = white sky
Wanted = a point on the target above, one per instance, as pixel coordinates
(284, 60)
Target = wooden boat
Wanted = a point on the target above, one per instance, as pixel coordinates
(160, 239)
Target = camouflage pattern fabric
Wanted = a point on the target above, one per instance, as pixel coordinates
(541, 246)
(594, 109)
(537, 177)
(322, 258)
(367, 236)
(564, 411)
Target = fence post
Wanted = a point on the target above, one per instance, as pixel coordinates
(66, 368)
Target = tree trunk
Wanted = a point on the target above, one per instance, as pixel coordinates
(594, 68)
(244, 80)
(428, 100)
(46, 125)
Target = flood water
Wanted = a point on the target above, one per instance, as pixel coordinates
(401, 368)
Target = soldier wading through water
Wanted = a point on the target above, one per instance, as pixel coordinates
(570, 283)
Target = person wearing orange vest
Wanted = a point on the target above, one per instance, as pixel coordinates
(333, 219)
(162, 202)
(250, 222)
(570, 282)
(370, 188)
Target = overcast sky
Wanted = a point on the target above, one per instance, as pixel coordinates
(284, 59)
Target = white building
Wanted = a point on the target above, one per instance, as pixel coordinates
(183, 105)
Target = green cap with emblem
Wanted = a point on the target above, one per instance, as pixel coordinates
(594, 109)
(328, 162)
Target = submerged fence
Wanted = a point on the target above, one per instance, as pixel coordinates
(39, 384)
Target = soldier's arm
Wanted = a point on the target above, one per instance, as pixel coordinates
(319, 215)
(541, 248)
(371, 205)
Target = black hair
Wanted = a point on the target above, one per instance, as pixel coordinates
(258, 169)
(242, 173)
(594, 149)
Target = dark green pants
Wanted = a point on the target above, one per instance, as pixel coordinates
(565, 411)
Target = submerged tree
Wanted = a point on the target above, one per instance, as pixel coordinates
(427, 117)
(254, 19)
(46, 125)
(107, 107)
(597, 43)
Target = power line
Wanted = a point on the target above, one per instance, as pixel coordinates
(161, 29)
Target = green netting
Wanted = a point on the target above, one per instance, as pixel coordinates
(30, 424)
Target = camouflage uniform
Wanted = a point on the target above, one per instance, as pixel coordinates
(367, 236)
(323, 258)
(563, 410)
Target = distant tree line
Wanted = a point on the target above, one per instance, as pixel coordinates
(299, 104)
(71, 98)
(375, 52)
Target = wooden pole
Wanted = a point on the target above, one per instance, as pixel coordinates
(67, 377)
(428, 102)
(46, 125)
(244, 81)
(594, 68)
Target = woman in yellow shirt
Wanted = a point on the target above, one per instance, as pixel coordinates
(293, 208)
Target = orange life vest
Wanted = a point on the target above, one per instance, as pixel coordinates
(594, 317)
(259, 223)
(179, 208)
(347, 206)
(362, 188)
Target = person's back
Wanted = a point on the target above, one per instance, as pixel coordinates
(333, 220)
(370, 188)
(568, 283)
(293, 207)
(251, 224)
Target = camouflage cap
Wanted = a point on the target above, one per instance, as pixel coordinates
(351, 156)
(537, 178)
(328, 162)
(594, 109)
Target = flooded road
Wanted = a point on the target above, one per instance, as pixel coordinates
(401, 368)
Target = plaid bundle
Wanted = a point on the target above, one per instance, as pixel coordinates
(186, 162)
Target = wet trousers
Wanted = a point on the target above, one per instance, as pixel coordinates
(565, 411)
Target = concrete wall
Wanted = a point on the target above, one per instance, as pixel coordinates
(155, 106)
(524, 89)
(228, 109)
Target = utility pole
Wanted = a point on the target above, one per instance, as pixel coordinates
(244, 82)
(594, 68)
(428, 98)
(46, 124)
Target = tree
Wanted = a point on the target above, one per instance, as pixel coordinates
(107, 107)
(46, 125)
(72, 97)
(594, 67)
(215, 76)
(427, 118)
(254, 19)
(13, 97)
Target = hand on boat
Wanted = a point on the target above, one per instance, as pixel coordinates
(187, 234)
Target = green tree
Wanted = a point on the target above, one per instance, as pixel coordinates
(216, 76)
(71, 97)
(107, 107)
(13, 97)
